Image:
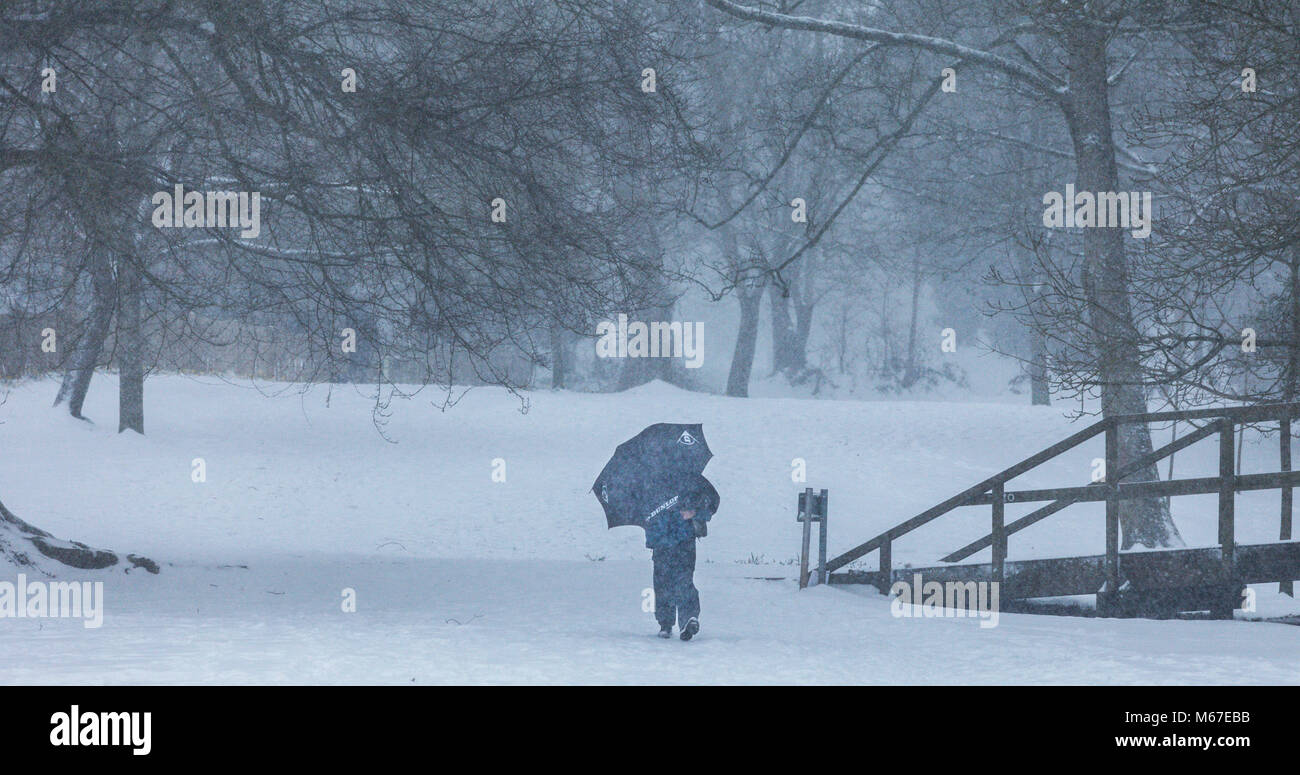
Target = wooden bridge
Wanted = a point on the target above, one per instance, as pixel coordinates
(1154, 583)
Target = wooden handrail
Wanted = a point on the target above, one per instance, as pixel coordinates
(961, 498)
(979, 493)
(1238, 414)
(1040, 514)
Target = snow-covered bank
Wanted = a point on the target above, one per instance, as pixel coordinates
(422, 621)
(460, 578)
(287, 472)
(284, 472)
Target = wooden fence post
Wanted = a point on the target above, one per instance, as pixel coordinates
(823, 514)
(886, 565)
(999, 532)
(1227, 532)
(1112, 520)
(805, 513)
(1286, 587)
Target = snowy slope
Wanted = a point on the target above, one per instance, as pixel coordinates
(541, 621)
(463, 579)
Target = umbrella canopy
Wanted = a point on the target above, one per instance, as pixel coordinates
(648, 469)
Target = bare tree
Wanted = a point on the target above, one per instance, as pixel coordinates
(1082, 35)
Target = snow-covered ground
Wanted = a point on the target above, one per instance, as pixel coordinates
(461, 578)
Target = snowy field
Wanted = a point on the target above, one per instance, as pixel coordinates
(463, 579)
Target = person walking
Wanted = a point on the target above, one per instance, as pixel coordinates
(670, 534)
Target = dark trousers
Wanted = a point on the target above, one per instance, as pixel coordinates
(675, 594)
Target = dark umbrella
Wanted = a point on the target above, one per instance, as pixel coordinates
(648, 469)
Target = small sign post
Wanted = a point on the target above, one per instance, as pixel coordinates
(812, 508)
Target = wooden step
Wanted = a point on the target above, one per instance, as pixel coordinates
(1157, 582)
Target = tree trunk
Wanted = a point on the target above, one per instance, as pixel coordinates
(1039, 378)
(130, 349)
(782, 329)
(638, 371)
(742, 358)
(842, 343)
(559, 357)
(76, 380)
(1289, 384)
(1039, 391)
(911, 372)
(803, 318)
(1291, 379)
(1106, 282)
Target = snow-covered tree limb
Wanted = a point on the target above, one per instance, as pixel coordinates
(1020, 72)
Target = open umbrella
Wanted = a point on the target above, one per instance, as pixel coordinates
(648, 469)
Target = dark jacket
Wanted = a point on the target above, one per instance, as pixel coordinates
(665, 526)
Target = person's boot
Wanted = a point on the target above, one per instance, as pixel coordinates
(665, 631)
(689, 629)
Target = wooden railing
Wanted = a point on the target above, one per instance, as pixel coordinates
(994, 493)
